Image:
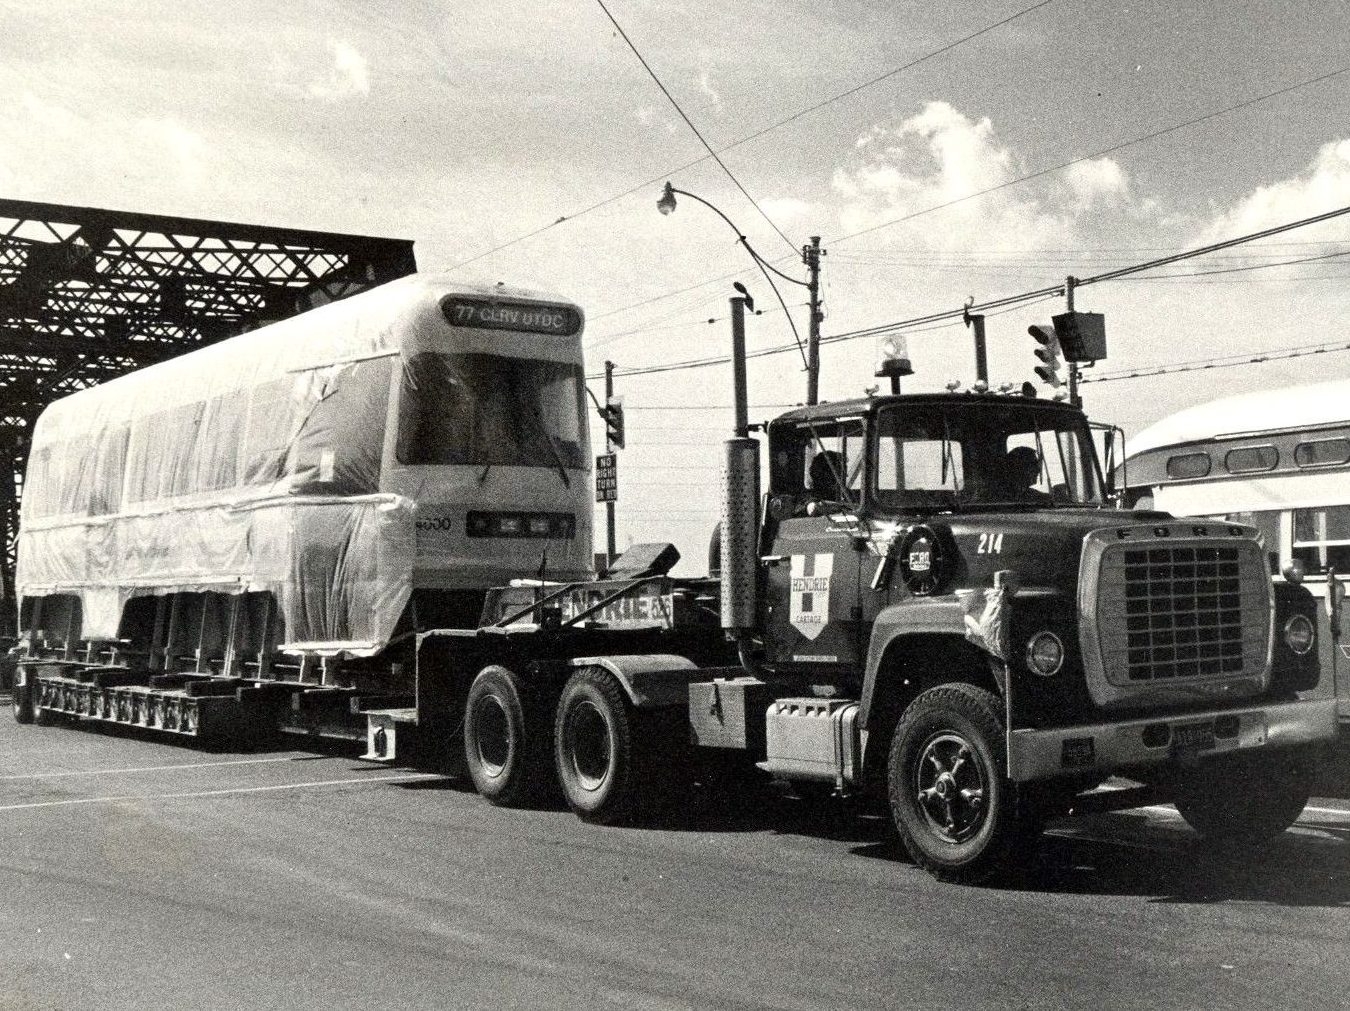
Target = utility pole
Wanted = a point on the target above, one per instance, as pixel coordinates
(609, 448)
(811, 255)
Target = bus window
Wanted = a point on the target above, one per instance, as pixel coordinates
(1322, 539)
(491, 410)
(1250, 459)
(1188, 465)
(1322, 453)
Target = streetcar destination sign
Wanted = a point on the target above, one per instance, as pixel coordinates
(499, 314)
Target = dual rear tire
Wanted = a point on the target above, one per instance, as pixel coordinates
(609, 760)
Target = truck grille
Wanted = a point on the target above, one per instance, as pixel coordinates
(1183, 612)
(1172, 612)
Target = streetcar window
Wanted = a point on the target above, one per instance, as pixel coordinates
(1322, 453)
(1250, 459)
(1188, 465)
(491, 410)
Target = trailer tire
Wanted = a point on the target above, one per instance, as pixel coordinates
(954, 808)
(24, 710)
(506, 738)
(594, 749)
(1246, 800)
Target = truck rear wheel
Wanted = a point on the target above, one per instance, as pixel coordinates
(506, 738)
(594, 748)
(954, 807)
(1248, 799)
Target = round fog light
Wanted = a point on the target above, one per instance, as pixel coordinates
(1298, 634)
(1045, 653)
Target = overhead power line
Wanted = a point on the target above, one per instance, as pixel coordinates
(1089, 157)
(690, 123)
(1223, 362)
(668, 173)
(1011, 301)
(1027, 178)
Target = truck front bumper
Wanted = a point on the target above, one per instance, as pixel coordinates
(1108, 747)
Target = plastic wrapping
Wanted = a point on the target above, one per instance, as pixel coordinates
(250, 465)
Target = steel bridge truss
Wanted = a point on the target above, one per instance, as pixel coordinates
(87, 295)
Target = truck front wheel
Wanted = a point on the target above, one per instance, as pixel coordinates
(506, 738)
(954, 807)
(1248, 799)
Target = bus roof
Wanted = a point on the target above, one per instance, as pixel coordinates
(1309, 406)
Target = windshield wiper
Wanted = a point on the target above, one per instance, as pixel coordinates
(533, 414)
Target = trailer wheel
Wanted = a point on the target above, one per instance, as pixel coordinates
(506, 738)
(24, 709)
(1246, 800)
(594, 748)
(954, 808)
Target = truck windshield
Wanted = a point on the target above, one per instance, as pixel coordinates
(491, 410)
(985, 452)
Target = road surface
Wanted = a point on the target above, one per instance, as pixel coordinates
(143, 874)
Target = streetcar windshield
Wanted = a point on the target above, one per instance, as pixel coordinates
(491, 410)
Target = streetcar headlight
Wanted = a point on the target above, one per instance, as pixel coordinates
(1298, 634)
(1045, 654)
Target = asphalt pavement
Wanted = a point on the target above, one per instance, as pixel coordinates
(142, 874)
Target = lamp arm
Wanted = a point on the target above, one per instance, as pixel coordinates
(743, 240)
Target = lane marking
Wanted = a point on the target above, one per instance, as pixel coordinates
(149, 768)
(411, 777)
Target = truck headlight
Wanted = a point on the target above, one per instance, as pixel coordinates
(1045, 654)
(1299, 634)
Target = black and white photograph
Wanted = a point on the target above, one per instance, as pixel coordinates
(602, 504)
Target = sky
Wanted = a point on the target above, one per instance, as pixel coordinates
(985, 149)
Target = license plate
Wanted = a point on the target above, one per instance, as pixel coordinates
(1193, 736)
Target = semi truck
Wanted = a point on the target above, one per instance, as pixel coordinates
(936, 607)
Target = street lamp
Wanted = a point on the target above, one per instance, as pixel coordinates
(811, 255)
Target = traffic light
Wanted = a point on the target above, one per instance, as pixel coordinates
(1049, 354)
(612, 412)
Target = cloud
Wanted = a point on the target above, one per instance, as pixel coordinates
(941, 156)
(1322, 186)
(347, 77)
(133, 147)
(784, 209)
(705, 86)
(1100, 180)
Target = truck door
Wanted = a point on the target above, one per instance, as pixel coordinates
(812, 580)
(813, 593)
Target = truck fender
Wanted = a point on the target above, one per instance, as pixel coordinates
(929, 616)
(651, 681)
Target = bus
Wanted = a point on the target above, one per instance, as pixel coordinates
(1278, 460)
(296, 503)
